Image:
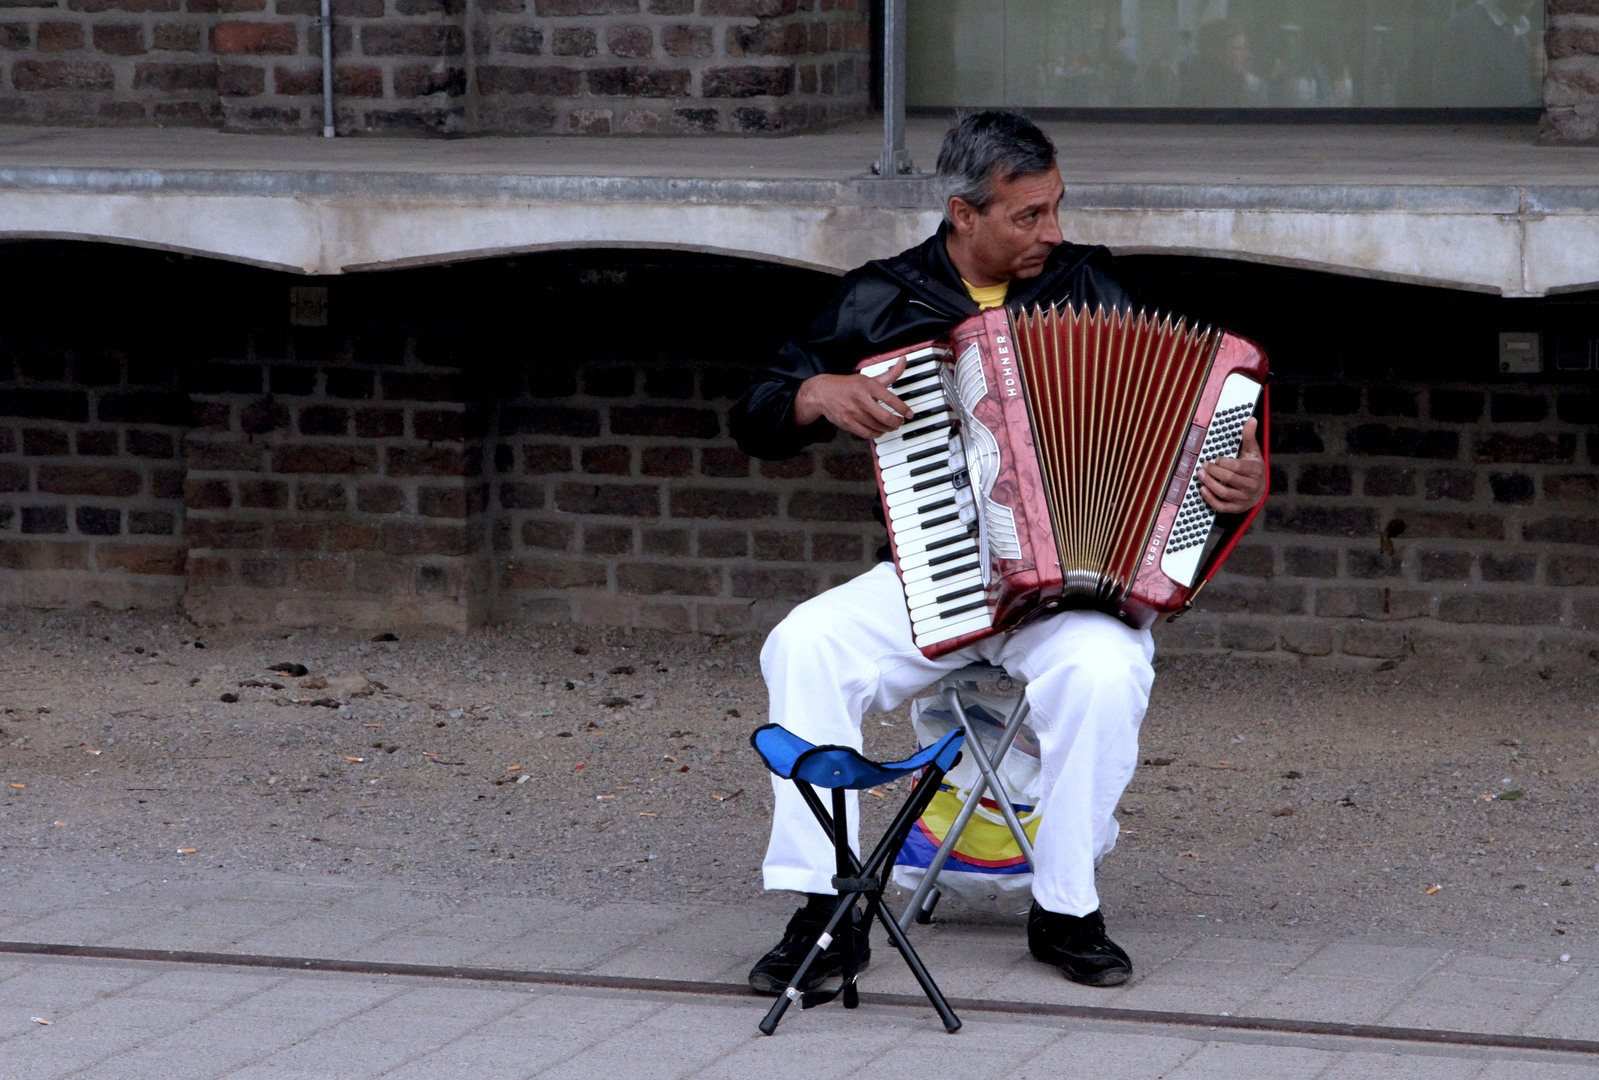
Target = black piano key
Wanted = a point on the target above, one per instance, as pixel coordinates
(928, 430)
(949, 613)
(927, 508)
(942, 449)
(952, 571)
(925, 469)
(936, 522)
(957, 594)
(958, 538)
(952, 555)
(920, 392)
(934, 482)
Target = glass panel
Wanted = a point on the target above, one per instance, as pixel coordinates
(1225, 53)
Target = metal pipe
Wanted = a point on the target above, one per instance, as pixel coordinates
(326, 23)
(895, 161)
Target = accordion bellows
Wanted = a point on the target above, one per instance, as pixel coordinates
(1051, 463)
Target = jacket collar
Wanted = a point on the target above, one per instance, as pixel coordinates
(1062, 262)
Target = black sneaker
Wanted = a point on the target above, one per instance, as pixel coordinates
(771, 973)
(1078, 946)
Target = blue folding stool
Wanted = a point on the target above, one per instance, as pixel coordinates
(841, 769)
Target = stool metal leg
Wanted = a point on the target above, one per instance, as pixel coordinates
(929, 881)
(952, 696)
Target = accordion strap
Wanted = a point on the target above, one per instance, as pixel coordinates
(918, 280)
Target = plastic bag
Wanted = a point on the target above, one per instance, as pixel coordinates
(986, 869)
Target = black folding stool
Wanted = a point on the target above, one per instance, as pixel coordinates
(951, 687)
(841, 768)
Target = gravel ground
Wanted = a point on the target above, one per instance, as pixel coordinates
(589, 763)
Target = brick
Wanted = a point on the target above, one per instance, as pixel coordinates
(1387, 401)
(223, 456)
(1342, 602)
(1332, 400)
(1511, 487)
(379, 423)
(256, 39)
(584, 7)
(169, 410)
(1367, 563)
(543, 81)
(151, 523)
(857, 467)
(357, 385)
(609, 460)
(37, 555)
(1578, 408)
(224, 379)
(260, 494)
(446, 502)
(671, 7)
(1562, 530)
(166, 483)
(1305, 639)
(406, 538)
(48, 442)
(263, 573)
(58, 37)
(321, 575)
(434, 461)
(676, 578)
(774, 584)
(119, 39)
(1452, 526)
(666, 541)
(780, 546)
(550, 420)
(1389, 480)
(1325, 480)
(142, 558)
(820, 506)
(767, 39)
(720, 382)
(793, 468)
(321, 497)
(724, 462)
(574, 41)
(223, 534)
(98, 521)
(207, 494)
(13, 477)
(1322, 520)
(835, 547)
(324, 420)
(1518, 408)
(1526, 449)
(327, 458)
(520, 496)
(422, 80)
(1387, 441)
(204, 571)
(68, 405)
(175, 37)
(1295, 437)
(1444, 566)
(150, 444)
(608, 539)
(1455, 406)
(682, 40)
(350, 537)
(668, 421)
(757, 8)
(8, 440)
(1247, 636)
(379, 499)
(87, 480)
(1508, 567)
(667, 461)
(1573, 570)
(412, 40)
(1238, 596)
(299, 535)
(1501, 609)
(261, 417)
(89, 443)
(540, 459)
(519, 40)
(92, 75)
(552, 574)
(1375, 642)
(747, 82)
(629, 499)
(1310, 562)
(1572, 487)
(437, 425)
(552, 535)
(1457, 485)
(640, 82)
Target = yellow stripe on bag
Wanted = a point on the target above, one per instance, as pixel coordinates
(987, 840)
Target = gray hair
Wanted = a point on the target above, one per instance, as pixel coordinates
(983, 145)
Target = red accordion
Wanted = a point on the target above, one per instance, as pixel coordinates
(1052, 464)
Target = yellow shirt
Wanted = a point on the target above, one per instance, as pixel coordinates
(987, 296)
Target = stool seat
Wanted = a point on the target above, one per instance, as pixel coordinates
(792, 758)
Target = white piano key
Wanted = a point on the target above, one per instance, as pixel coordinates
(922, 559)
(925, 600)
(912, 430)
(934, 447)
(906, 473)
(943, 489)
(916, 359)
(934, 631)
(915, 575)
(910, 536)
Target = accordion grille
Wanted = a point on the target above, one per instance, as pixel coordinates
(1110, 396)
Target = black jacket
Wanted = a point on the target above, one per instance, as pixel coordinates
(889, 303)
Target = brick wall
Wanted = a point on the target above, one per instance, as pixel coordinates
(1571, 79)
(491, 442)
(91, 481)
(590, 67)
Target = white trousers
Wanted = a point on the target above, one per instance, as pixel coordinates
(848, 652)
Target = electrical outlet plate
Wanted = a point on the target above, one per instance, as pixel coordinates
(1519, 353)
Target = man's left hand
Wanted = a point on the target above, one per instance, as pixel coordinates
(1234, 485)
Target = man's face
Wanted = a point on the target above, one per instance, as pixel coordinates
(1018, 231)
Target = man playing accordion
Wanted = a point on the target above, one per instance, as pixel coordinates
(850, 650)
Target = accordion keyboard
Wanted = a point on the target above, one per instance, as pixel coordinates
(1195, 519)
(928, 502)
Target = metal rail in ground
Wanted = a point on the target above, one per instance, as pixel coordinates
(1211, 1021)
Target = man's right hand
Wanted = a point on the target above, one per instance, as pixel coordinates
(853, 402)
